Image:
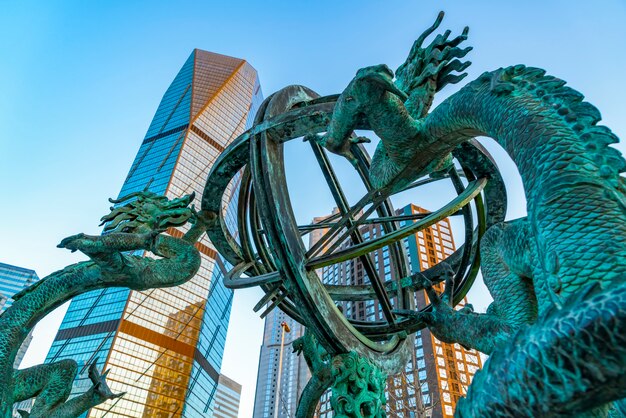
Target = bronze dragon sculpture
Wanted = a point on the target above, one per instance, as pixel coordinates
(134, 226)
(357, 385)
(556, 330)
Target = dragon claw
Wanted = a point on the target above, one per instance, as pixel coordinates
(435, 299)
(427, 285)
(100, 385)
(360, 140)
(203, 216)
(448, 292)
(344, 151)
(415, 316)
(406, 313)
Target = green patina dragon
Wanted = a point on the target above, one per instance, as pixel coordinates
(556, 330)
(357, 385)
(134, 226)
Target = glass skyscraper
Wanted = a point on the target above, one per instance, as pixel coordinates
(12, 280)
(164, 346)
(294, 372)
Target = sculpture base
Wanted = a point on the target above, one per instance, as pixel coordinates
(358, 387)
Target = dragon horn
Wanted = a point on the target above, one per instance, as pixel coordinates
(427, 32)
(124, 198)
(417, 45)
(144, 193)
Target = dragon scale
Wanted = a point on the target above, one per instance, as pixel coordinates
(557, 368)
(539, 269)
(568, 170)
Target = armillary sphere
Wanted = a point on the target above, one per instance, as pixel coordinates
(267, 249)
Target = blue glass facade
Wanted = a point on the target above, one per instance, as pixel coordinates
(100, 309)
(164, 346)
(13, 279)
(203, 384)
(160, 148)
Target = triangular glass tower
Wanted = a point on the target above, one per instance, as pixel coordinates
(164, 346)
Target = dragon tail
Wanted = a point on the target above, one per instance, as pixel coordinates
(559, 366)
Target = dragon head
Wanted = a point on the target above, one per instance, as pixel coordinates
(382, 76)
(147, 212)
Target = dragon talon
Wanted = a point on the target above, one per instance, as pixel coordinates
(425, 317)
(311, 138)
(448, 290)
(100, 385)
(434, 297)
(403, 312)
(360, 140)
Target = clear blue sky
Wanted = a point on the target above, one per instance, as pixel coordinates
(80, 81)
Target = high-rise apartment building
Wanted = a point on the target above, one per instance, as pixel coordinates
(294, 371)
(13, 279)
(227, 398)
(437, 373)
(164, 346)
